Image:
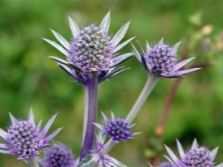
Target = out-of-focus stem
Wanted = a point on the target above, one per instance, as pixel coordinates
(92, 89)
(150, 84)
(166, 111)
(32, 162)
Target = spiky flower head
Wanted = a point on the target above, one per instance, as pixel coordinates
(196, 156)
(116, 128)
(92, 49)
(161, 60)
(166, 164)
(24, 138)
(58, 155)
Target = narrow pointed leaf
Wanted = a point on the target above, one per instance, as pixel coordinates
(189, 70)
(147, 46)
(4, 146)
(59, 60)
(13, 119)
(141, 48)
(52, 135)
(5, 152)
(181, 64)
(120, 34)
(180, 148)
(104, 116)
(98, 125)
(58, 47)
(61, 40)
(74, 27)
(87, 162)
(137, 54)
(176, 46)
(120, 59)
(172, 155)
(106, 22)
(31, 117)
(3, 134)
(214, 153)
(123, 44)
(48, 125)
(194, 145)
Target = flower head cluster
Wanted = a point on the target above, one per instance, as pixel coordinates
(92, 49)
(58, 155)
(196, 156)
(24, 138)
(116, 128)
(161, 60)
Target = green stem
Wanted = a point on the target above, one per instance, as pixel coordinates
(32, 162)
(150, 84)
(85, 112)
(92, 90)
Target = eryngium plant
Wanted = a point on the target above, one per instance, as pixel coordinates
(92, 49)
(58, 155)
(26, 139)
(196, 156)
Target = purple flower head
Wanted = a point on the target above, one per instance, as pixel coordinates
(58, 155)
(161, 60)
(196, 156)
(166, 164)
(24, 138)
(92, 49)
(116, 128)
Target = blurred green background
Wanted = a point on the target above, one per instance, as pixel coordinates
(28, 78)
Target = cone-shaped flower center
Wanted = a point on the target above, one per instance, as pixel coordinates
(91, 49)
(198, 157)
(58, 155)
(23, 139)
(118, 129)
(161, 60)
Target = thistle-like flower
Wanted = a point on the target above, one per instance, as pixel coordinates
(116, 128)
(58, 155)
(161, 60)
(196, 156)
(166, 164)
(24, 138)
(92, 49)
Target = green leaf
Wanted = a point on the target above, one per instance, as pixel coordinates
(87, 162)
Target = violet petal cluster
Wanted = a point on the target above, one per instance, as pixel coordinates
(116, 128)
(24, 138)
(58, 155)
(92, 49)
(161, 60)
(196, 156)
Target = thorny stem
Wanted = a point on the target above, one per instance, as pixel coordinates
(150, 84)
(32, 162)
(92, 89)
